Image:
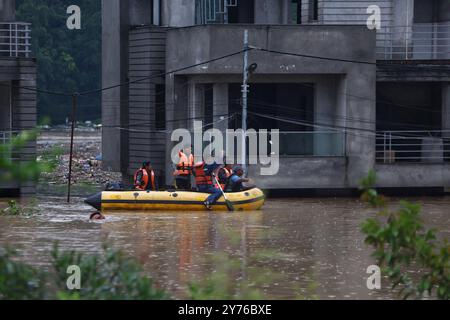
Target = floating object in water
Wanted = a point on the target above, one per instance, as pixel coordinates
(173, 201)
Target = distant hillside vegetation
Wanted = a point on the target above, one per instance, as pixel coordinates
(68, 60)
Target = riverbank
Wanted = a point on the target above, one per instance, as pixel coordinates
(88, 175)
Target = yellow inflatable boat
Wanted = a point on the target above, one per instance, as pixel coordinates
(249, 200)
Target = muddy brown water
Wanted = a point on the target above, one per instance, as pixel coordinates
(317, 247)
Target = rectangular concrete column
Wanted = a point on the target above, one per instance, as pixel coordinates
(220, 106)
(403, 19)
(324, 115)
(195, 103)
(360, 133)
(114, 70)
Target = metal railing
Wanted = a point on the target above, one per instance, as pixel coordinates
(421, 41)
(15, 39)
(413, 146)
(213, 11)
(313, 144)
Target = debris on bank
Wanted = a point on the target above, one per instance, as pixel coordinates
(87, 158)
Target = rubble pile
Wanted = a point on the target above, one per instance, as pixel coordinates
(87, 159)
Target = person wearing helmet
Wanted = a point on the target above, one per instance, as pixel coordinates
(236, 180)
(145, 178)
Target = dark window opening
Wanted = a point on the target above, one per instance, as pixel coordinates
(431, 11)
(244, 12)
(409, 123)
(208, 110)
(160, 107)
(313, 10)
(288, 107)
(296, 11)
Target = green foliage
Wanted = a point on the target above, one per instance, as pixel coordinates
(401, 242)
(19, 281)
(16, 209)
(369, 194)
(22, 171)
(68, 60)
(110, 276)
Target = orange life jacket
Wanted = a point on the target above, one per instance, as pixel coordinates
(185, 165)
(228, 174)
(200, 176)
(146, 179)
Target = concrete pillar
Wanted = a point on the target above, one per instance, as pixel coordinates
(178, 13)
(360, 139)
(115, 28)
(7, 10)
(195, 104)
(220, 105)
(140, 12)
(325, 110)
(269, 11)
(403, 19)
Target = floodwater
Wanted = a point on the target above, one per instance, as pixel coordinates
(292, 249)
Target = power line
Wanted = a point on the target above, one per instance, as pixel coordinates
(315, 57)
(165, 73)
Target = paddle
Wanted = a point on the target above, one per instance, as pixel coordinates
(230, 206)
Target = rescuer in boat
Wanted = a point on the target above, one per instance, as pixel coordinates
(223, 174)
(205, 182)
(184, 169)
(145, 178)
(236, 181)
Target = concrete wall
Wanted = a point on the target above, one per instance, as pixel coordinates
(413, 175)
(7, 10)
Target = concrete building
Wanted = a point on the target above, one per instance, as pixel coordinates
(17, 105)
(383, 102)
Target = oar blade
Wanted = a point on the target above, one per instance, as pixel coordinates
(230, 206)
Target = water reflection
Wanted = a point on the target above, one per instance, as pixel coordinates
(317, 243)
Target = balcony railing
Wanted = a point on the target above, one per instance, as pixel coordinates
(413, 146)
(312, 144)
(15, 39)
(423, 41)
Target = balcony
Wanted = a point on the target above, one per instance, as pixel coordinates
(421, 41)
(312, 144)
(431, 147)
(15, 40)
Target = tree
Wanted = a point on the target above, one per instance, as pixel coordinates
(68, 60)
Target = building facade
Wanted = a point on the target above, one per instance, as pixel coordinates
(17, 105)
(382, 100)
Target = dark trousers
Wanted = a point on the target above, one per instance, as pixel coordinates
(215, 193)
(183, 183)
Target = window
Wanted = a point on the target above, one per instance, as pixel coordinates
(160, 107)
(313, 10)
(296, 11)
(243, 12)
